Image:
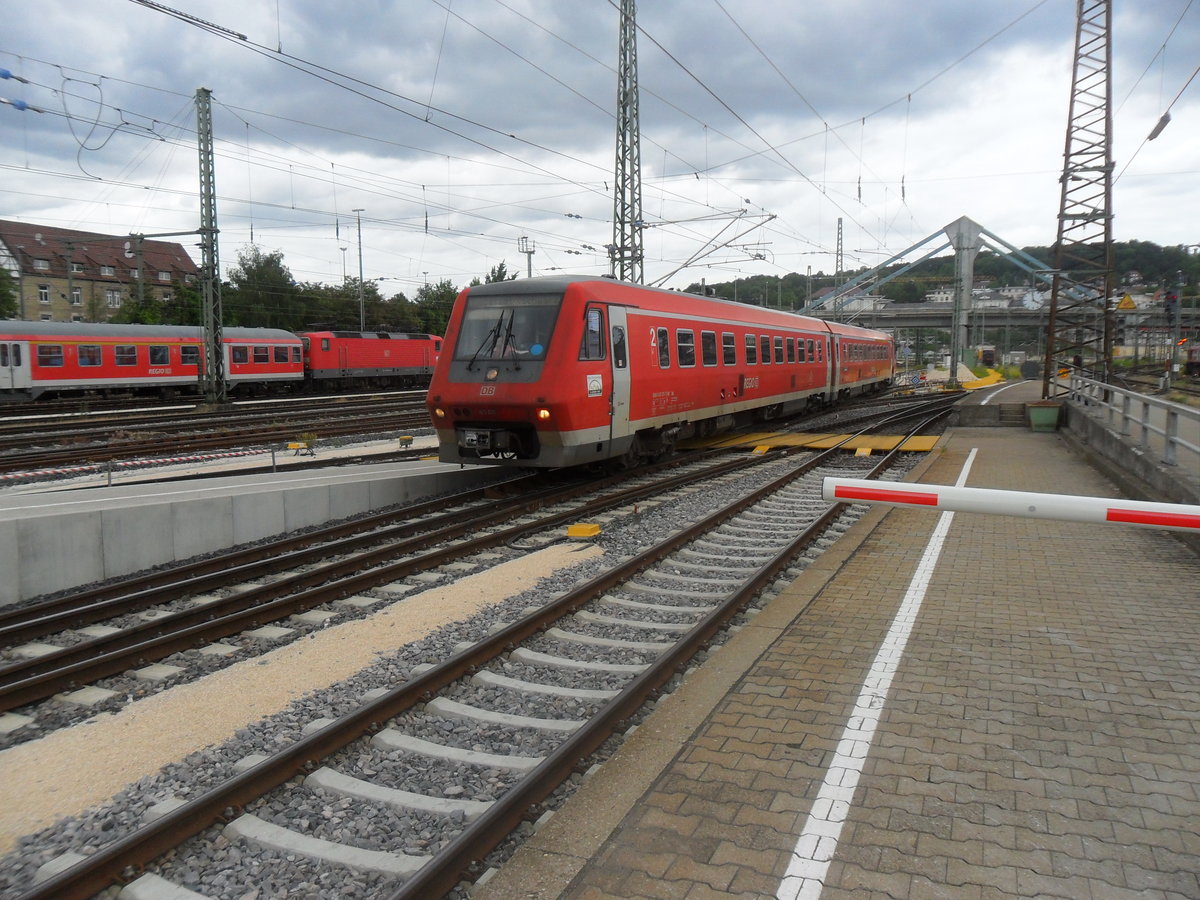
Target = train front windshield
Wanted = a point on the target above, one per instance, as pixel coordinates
(509, 327)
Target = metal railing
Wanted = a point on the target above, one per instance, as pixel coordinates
(1170, 430)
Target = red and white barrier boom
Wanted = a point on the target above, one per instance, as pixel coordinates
(1176, 516)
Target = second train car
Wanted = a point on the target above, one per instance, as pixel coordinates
(564, 371)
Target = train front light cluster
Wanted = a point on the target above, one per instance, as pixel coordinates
(543, 414)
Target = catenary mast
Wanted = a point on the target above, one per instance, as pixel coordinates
(626, 248)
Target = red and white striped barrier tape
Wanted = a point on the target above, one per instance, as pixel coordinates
(1065, 507)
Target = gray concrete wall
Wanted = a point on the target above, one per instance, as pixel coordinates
(51, 542)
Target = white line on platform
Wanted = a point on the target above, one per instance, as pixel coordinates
(814, 850)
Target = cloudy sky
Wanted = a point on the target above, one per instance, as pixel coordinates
(459, 127)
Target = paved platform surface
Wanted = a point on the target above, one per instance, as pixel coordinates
(1023, 715)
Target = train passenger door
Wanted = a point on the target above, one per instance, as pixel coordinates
(14, 366)
(620, 428)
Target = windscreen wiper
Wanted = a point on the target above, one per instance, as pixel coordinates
(489, 340)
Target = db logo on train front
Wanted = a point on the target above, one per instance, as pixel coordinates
(487, 390)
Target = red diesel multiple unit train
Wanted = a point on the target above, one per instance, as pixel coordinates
(62, 358)
(564, 371)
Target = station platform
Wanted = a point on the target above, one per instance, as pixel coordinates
(944, 705)
(54, 540)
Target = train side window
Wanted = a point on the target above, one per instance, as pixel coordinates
(295, 354)
(189, 355)
(778, 350)
(126, 354)
(240, 354)
(800, 357)
(593, 335)
(89, 355)
(620, 358)
(728, 349)
(664, 349)
(160, 355)
(16, 354)
(50, 355)
(821, 352)
(708, 348)
(751, 350)
(3, 354)
(324, 345)
(281, 354)
(791, 350)
(262, 354)
(685, 347)
(764, 343)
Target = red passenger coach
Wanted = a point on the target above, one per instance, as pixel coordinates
(39, 358)
(379, 359)
(564, 371)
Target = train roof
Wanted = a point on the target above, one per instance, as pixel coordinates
(144, 332)
(371, 335)
(558, 284)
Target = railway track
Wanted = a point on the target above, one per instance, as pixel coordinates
(31, 447)
(425, 778)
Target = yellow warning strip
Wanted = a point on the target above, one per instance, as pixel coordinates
(992, 377)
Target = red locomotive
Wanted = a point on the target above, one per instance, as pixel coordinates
(58, 358)
(377, 359)
(563, 371)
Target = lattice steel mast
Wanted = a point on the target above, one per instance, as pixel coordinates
(214, 353)
(625, 251)
(1081, 315)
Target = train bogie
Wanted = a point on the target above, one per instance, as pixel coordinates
(559, 371)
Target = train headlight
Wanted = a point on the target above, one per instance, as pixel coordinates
(543, 414)
(439, 412)
(491, 375)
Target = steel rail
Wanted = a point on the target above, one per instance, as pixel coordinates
(43, 676)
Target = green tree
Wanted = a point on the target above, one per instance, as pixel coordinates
(10, 303)
(434, 302)
(140, 308)
(498, 272)
(261, 291)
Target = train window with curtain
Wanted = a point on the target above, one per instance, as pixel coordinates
(708, 348)
(160, 355)
(281, 354)
(778, 350)
(262, 354)
(728, 349)
(620, 355)
(751, 350)
(126, 354)
(764, 344)
(189, 355)
(50, 355)
(593, 335)
(685, 347)
(89, 355)
(240, 354)
(664, 349)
